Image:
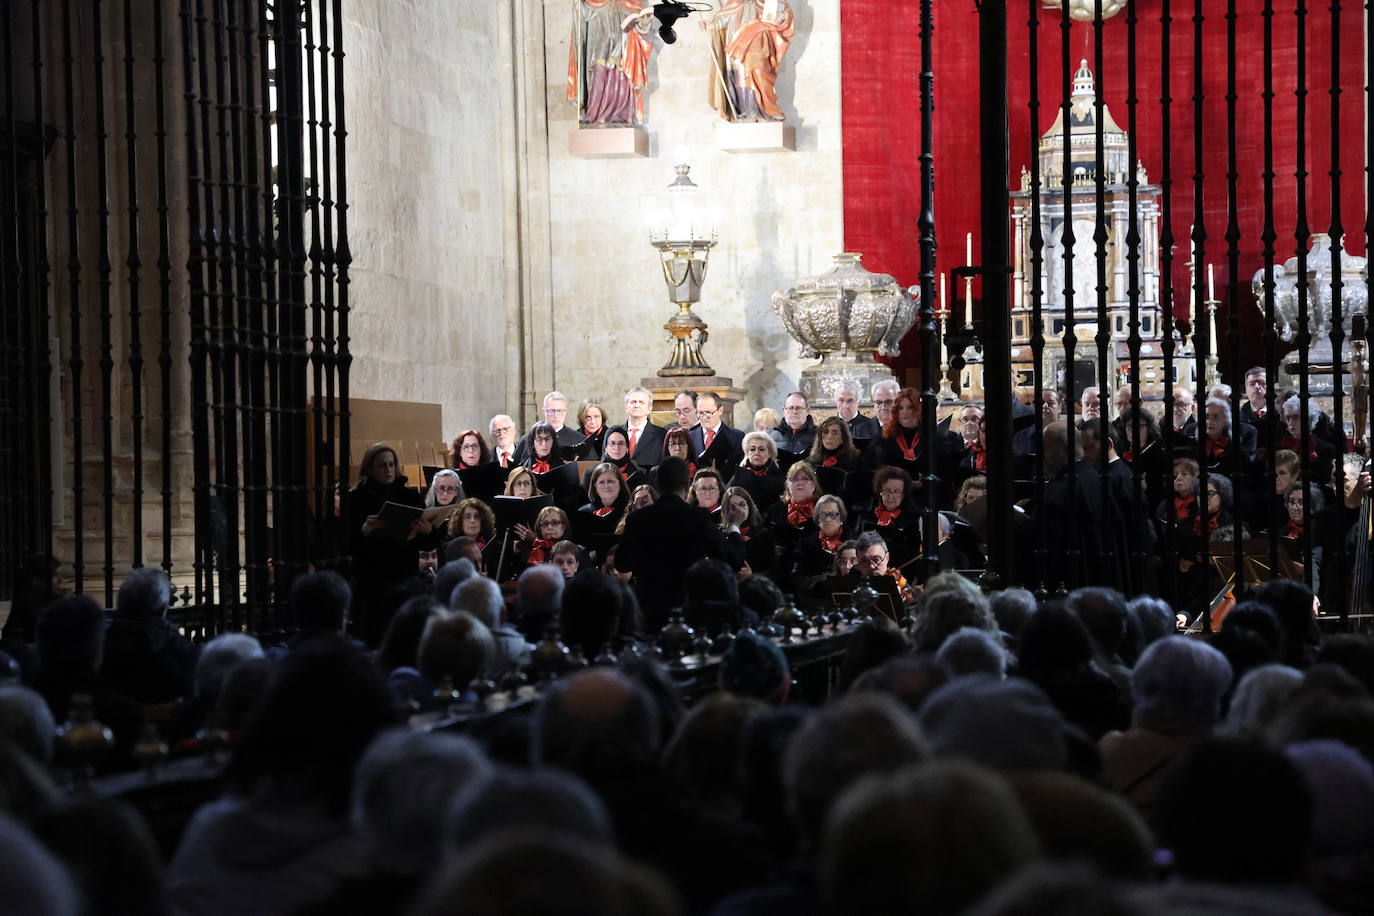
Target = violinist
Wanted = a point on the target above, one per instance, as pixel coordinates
(873, 557)
(759, 473)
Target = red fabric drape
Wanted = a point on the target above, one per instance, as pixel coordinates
(880, 50)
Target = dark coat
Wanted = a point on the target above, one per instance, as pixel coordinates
(796, 441)
(766, 489)
(727, 448)
(648, 450)
(148, 660)
(660, 542)
(862, 427)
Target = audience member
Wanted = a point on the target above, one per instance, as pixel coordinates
(481, 597)
(145, 657)
(970, 650)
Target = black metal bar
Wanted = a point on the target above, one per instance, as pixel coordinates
(75, 361)
(930, 531)
(1336, 561)
(164, 279)
(1037, 296)
(1104, 322)
(1203, 333)
(343, 258)
(243, 470)
(133, 264)
(15, 518)
(1067, 239)
(40, 439)
(316, 125)
(1233, 275)
(1302, 235)
(268, 247)
(326, 461)
(1268, 235)
(104, 270)
(1139, 558)
(995, 170)
(1171, 582)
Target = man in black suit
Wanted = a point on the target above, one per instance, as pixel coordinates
(847, 408)
(685, 409)
(646, 439)
(1183, 419)
(714, 443)
(556, 413)
(663, 539)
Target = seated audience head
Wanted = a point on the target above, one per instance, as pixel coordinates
(1054, 639)
(590, 616)
(703, 754)
(109, 850)
(761, 595)
(33, 880)
(451, 575)
(1257, 617)
(923, 839)
(481, 597)
(1352, 651)
(1294, 605)
(220, 656)
(404, 786)
(1259, 698)
(1011, 608)
(552, 802)
(400, 643)
(539, 592)
(753, 666)
(873, 641)
(145, 595)
(909, 679)
(1103, 612)
(1077, 821)
(709, 580)
(1008, 725)
(1342, 785)
(765, 418)
(1155, 616)
(599, 724)
(455, 645)
(321, 601)
(1235, 811)
(71, 638)
(323, 705)
(849, 738)
(26, 722)
(971, 650)
(1178, 685)
(950, 602)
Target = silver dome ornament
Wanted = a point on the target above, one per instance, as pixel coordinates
(845, 316)
(1086, 10)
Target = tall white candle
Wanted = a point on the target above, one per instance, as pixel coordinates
(1211, 285)
(968, 249)
(944, 306)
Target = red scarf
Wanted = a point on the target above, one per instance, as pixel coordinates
(1216, 448)
(830, 461)
(1212, 523)
(1128, 456)
(799, 514)
(744, 532)
(540, 466)
(886, 516)
(1294, 530)
(759, 473)
(604, 511)
(589, 433)
(1184, 506)
(625, 471)
(908, 449)
(832, 544)
(481, 543)
(539, 551)
(691, 470)
(1293, 444)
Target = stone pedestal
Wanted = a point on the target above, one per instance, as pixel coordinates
(609, 143)
(662, 409)
(756, 137)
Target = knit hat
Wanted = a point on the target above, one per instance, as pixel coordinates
(754, 666)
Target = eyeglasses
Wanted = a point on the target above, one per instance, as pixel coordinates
(556, 411)
(705, 414)
(446, 488)
(827, 515)
(884, 403)
(503, 429)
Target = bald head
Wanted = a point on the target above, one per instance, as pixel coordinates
(596, 723)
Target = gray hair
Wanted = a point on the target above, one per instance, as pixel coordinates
(845, 384)
(1178, 684)
(480, 597)
(869, 539)
(26, 722)
(543, 799)
(451, 575)
(555, 395)
(402, 790)
(220, 656)
(540, 589)
(146, 594)
(838, 503)
(431, 499)
(1225, 408)
(969, 650)
(1294, 404)
(33, 880)
(1011, 608)
(640, 389)
(887, 384)
(1155, 615)
(491, 427)
(1258, 699)
(950, 602)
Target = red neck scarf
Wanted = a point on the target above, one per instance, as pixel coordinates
(1212, 524)
(1216, 448)
(744, 532)
(540, 466)
(540, 549)
(759, 472)
(1294, 530)
(830, 461)
(624, 470)
(832, 544)
(1184, 506)
(590, 432)
(1128, 456)
(886, 516)
(604, 511)
(1293, 444)
(800, 513)
(908, 448)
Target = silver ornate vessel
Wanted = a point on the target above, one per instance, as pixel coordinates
(845, 316)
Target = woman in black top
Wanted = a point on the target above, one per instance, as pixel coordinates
(379, 562)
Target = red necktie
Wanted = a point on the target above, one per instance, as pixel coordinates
(710, 437)
(505, 458)
(634, 437)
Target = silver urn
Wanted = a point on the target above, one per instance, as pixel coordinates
(845, 316)
(1319, 266)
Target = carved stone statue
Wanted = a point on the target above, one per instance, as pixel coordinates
(748, 40)
(608, 61)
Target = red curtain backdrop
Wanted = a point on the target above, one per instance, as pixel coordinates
(880, 49)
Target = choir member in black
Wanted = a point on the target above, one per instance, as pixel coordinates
(892, 516)
(379, 562)
(1320, 453)
(1124, 513)
(469, 450)
(1065, 522)
(970, 491)
(1225, 439)
(645, 436)
(792, 517)
(534, 546)
(973, 436)
(541, 457)
(520, 482)
(475, 520)
(618, 453)
(1221, 504)
(1181, 418)
(706, 490)
(815, 551)
(759, 474)
(677, 444)
(640, 497)
(714, 442)
(760, 548)
(834, 446)
(847, 409)
(797, 430)
(591, 422)
(904, 446)
(1144, 452)
(1287, 474)
(607, 498)
(846, 558)
(765, 418)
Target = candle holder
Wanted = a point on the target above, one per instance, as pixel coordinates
(946, 392)
(1213, 373)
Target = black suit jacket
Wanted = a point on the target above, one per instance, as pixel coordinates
(648, 450)
(660, 542)
(566, 436)
(862, 427)
(727, 448)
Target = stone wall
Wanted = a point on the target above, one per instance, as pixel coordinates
(779, 217)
